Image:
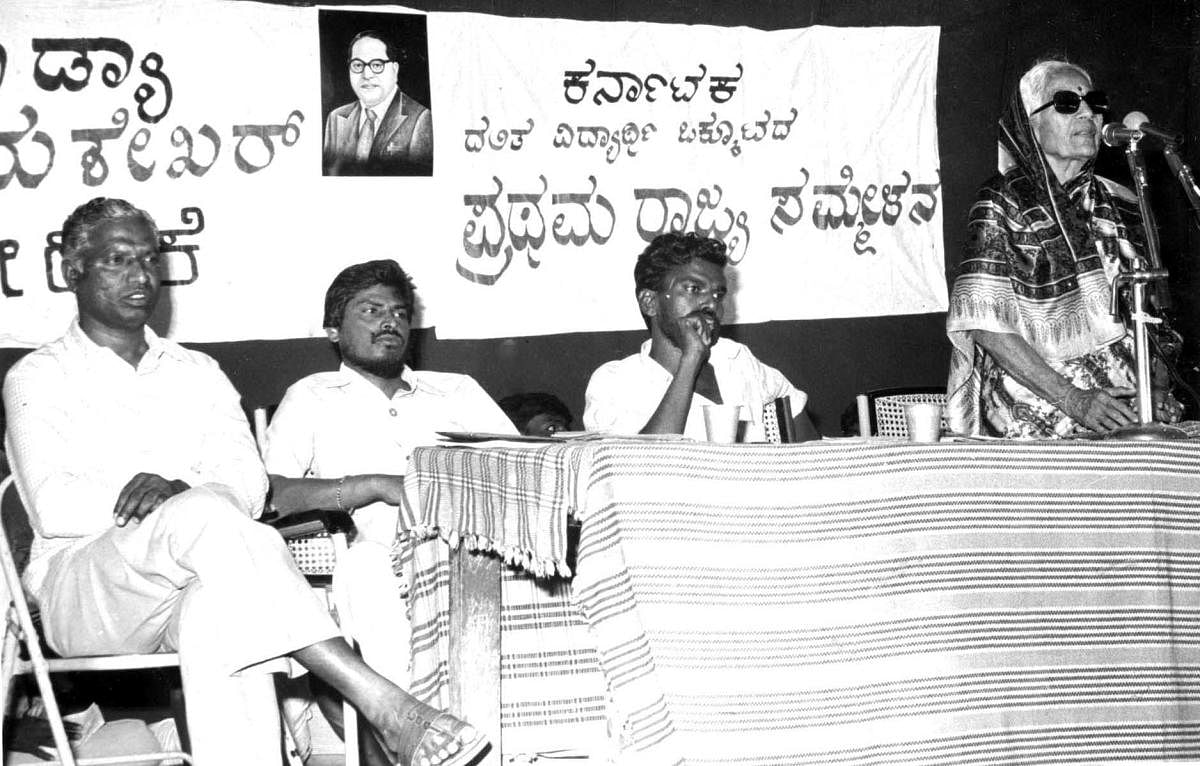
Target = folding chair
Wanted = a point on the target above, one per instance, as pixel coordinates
(881, 411)
(21, 632)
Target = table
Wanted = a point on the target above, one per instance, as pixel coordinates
(526, 673)
(865, 602)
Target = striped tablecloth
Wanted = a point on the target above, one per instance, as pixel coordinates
(891, 603)
(515, 502)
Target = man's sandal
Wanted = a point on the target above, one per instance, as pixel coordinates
(446, 728)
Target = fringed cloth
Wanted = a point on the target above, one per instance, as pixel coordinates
(828, 604)
(522, 515)
(514, 502)
(1020, 276)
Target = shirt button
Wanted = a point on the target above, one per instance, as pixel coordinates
(392, 412)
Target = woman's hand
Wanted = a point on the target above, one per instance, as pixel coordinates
(1101, 409)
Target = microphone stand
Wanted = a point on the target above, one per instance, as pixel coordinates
(1136, 278)
(1184, 174)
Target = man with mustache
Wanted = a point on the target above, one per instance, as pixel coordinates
(681, 288)
(142, 483)
(341, 441)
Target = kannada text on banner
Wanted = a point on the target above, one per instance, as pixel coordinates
(559, 149)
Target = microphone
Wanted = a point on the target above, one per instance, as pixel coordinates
(1140, 121)
(1135, 127)
(1116, 134)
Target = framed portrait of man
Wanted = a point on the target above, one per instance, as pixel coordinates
(375, 94)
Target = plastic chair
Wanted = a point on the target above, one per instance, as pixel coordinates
(21, 631)
(315, 538)
(881, 411)
(777, 421)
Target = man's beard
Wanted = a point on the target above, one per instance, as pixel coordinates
(389, 367)
(384, 367)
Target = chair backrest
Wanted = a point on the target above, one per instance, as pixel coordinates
(259, 418)
(777, 421)
(8, 490)
(885, 409)
(16, 525)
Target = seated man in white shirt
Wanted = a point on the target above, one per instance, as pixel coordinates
(341, 441)
(681, 287)
(142, 481)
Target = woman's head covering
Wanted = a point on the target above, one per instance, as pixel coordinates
(1033, 266)
(1019, 143)
(1019, 146)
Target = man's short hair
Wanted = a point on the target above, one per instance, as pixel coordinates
(77, 229)
(393, 53)
(521, 408)
(667, 251)
(354, 279)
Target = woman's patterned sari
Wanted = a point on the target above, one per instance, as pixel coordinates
(1039, 261)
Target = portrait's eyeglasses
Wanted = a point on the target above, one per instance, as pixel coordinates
(375, 65)
(1067, 102)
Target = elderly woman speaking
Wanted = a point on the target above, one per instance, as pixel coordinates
(1036, 352)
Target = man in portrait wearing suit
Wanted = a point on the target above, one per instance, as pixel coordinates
(384, 132)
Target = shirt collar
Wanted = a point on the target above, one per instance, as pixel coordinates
(349, 377)
(155, 346)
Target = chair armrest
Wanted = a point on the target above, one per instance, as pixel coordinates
(308, 523)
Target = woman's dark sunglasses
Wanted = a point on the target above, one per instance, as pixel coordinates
(1067, 102)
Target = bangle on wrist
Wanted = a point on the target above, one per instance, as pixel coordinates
(1075, 398)
(1066, 398)
(337, 494)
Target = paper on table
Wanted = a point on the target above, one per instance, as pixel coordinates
(485, 436)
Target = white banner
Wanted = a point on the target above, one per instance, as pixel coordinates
(559, 148)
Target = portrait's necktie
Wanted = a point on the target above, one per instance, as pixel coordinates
(365, 137)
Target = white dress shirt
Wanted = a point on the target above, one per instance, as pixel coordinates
(82, 422)
(623, 394)
(334, 424)
(379, 110)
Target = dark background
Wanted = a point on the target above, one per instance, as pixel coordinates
(406, 31)
(1146, 55)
